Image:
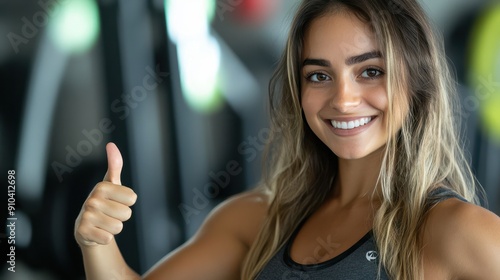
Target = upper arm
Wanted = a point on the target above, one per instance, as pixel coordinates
(218, 249)
(464, 239)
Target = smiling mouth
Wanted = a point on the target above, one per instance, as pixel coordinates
(351, 124)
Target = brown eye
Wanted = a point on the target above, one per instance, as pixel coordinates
(318, 77)
(371, 73)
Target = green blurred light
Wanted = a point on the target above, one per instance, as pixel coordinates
(75, 26)
(198, 53)
(212, 6)
(485, 68)
(201, 99)
(199, 73)
(491, 115)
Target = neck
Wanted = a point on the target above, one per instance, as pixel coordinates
(356, 179)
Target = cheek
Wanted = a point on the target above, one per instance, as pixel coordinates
(311, 105)
(314, 99)
(379, 99)
(399, 109)
(306, 103)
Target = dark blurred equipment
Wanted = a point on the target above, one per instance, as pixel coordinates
(68, 96)
(473, 46)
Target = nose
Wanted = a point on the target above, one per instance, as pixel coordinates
(345, 95)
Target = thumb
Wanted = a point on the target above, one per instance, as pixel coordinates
(115, 164)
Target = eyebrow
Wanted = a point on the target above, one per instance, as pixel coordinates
(362, 57)
(349, 61)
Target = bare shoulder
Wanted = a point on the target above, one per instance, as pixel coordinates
(219, 247)
(243, 214)
(255, 199)
(463, 239)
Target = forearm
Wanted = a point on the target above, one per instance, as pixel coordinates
(106, 262)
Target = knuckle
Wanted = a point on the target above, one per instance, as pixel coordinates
(118, 227)
(85, 232)
(86, 216)
(92, 203)
(106, 238)
(133, 198)
(100, 188)
(79, 230)
(127, 214)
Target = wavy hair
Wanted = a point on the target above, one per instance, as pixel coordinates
(421, 154)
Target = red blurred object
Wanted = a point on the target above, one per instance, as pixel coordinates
(253, 11)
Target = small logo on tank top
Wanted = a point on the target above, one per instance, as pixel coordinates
(371, 255)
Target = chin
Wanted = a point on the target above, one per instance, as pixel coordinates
(355, 153)
(350, 156)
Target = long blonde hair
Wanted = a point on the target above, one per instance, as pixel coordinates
(421, 155)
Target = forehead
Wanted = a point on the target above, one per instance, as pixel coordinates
(340, 34)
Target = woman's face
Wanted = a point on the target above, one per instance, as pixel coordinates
(344, 95)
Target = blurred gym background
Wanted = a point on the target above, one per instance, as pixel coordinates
(180, 86)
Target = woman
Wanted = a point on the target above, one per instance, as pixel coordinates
(366, 178)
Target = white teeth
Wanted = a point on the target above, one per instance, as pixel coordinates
(351, 124)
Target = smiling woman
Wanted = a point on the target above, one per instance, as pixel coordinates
(344, 90)
(365, 177)
(368, 81)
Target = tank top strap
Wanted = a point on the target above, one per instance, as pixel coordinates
(443, 193)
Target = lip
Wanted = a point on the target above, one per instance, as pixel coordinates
(349, 132)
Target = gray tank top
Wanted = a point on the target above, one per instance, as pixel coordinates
(359, 262)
